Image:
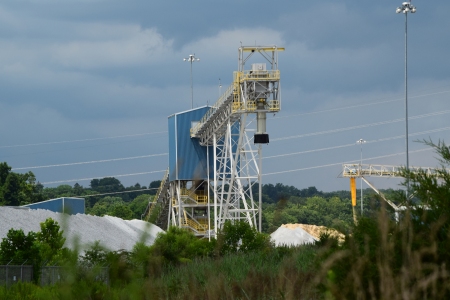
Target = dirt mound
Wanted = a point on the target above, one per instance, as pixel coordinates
(315, 230)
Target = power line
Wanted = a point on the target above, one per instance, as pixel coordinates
(90, 162)
(74, 148)
(309, 151)
(124, 192)
(85, 179)
(353, 144)
(82, 140)
(340, 163)
(310, 134)
(357, 106)
(360, 126)
(266, 174)
(268, 157)
(281, 117)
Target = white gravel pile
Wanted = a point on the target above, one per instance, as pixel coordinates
(82, 230)
(291, 237)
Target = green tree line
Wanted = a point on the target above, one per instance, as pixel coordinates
(282, 204)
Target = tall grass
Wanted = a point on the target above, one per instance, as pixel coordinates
(278, 273)
(384, 259)
(257, 275)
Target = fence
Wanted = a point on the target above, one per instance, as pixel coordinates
(10, 274)
(55, 274)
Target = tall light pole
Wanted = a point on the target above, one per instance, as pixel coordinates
(405, 9)
(191, 59)
(361, 142)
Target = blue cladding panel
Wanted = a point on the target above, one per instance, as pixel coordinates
(187, 159)
(71, 206)
(55, 205)
(172, 148)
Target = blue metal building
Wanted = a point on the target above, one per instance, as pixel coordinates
(187, 158)
(69, 205)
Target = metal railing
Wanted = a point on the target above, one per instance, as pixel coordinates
(233, 94)
(274, 105)
(358, 170)
(269, 75)
(198, 196)
(228, 93)
(195, 225)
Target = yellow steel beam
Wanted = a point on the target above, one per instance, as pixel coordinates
(353, 192)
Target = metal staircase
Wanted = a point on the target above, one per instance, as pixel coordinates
(157, 210)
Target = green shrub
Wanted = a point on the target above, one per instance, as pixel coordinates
(406, 259)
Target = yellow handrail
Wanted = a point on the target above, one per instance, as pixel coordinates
(271, 75)
(233, 89)
(274, 105)
(233, 92)
(200, 228)
(197, 196)
(251, 105)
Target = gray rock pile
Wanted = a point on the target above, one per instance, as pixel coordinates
(82, 230)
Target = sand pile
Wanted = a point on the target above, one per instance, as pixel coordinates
(285, 236)
(300, 234)
(83, 230)
(316, 231)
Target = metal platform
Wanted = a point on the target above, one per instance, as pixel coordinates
(361, 170)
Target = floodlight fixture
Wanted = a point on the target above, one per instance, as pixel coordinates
(405, 8)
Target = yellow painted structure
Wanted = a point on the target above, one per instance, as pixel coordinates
(353, 193)
(353, 190)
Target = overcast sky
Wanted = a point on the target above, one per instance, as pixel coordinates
(95, 80)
